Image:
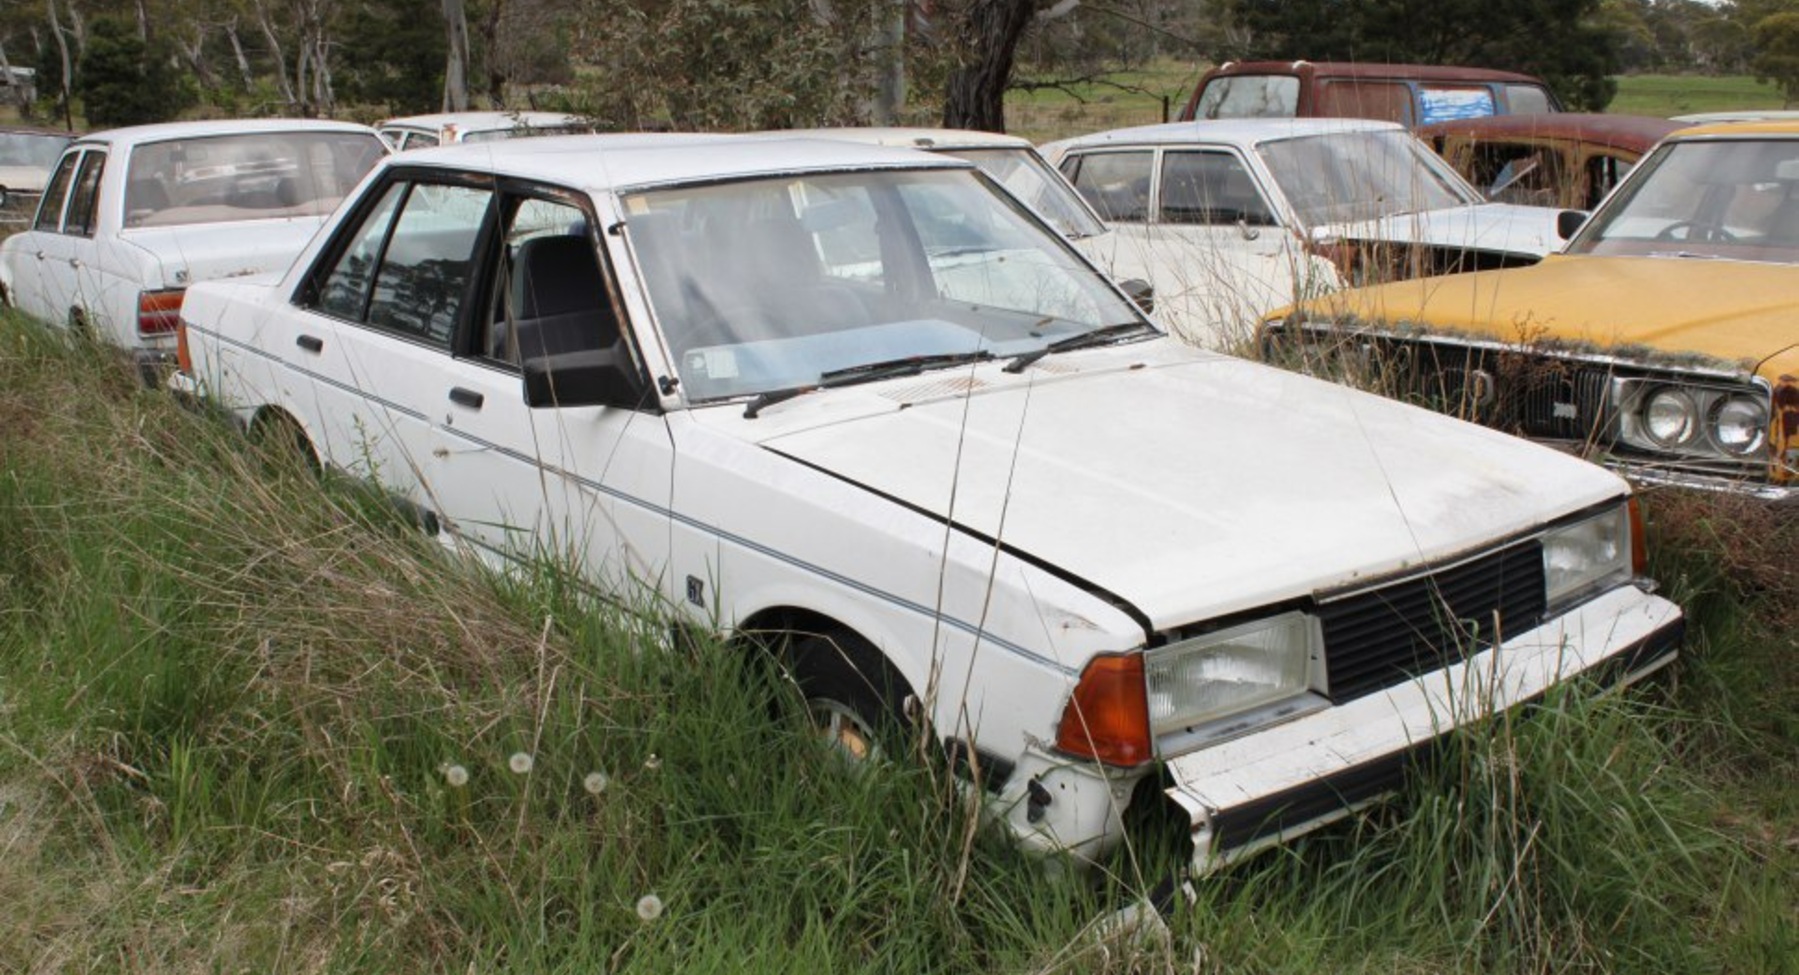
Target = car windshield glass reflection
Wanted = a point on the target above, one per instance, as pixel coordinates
(773, 284)
(1345, 176)
(1736, 199)
(1025, 175)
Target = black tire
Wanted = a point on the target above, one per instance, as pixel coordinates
(853, 696)
(279, 442)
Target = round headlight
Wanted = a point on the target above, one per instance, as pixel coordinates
(1671, 418)
(1740, 424)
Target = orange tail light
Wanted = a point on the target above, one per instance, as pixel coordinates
(159, 312)
(1639, 543)
(1107, 718)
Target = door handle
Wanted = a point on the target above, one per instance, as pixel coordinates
(40, 255)
(466, 397)
(310, 344)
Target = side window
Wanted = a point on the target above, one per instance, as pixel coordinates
(84, 199)
(344, 292)
(419, 140)
(550, 297)
(49, 211)
(1116, 183)
(1388, 100)
(1603, 173)
(1518, 173)
(1210, 188)
(425, 266)
(1528, 100)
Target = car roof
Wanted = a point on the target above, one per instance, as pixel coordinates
(1360, 69)
(1779, 128)
(164, 131)
(1617, 131)
(1240, 132)
(914, 137)
(484, 121)
(622, 162)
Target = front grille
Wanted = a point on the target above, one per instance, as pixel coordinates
(1531, 395)
(1377, 637)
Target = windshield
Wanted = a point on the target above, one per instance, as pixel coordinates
(1340, 177)
(1249, 96)
(249, 176)
(30, 149)
(1025, 175)
(770, 284)
(1736, 199)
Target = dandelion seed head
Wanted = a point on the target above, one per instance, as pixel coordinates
(520, 763)
(455, 775)
(595, 783)
(649, 907)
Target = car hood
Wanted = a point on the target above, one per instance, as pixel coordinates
(28, 179)
(1493, 227)
(207, 251)
(1185, 483)
(1739, 315)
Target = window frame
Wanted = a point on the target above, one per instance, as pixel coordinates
(56, 194)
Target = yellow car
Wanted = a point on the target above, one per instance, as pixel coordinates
(1664, 338)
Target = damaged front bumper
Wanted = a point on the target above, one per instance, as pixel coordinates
(1270, 786)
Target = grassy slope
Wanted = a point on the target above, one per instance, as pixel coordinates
(229, 701)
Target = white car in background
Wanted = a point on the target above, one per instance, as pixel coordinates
(1209, 299)
(857, 407)
(26, 158)
(448, 128)
(1365, 195)
(133, 216)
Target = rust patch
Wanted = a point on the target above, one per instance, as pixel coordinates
(1786, 425)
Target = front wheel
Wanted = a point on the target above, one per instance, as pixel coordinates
(854, 698)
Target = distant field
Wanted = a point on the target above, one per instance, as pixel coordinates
(1138, 98)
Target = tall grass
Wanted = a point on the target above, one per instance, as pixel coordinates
(254, 722)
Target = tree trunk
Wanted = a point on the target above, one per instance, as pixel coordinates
(490, 44)
(196, 56)
(237, 53)
(456, 69)
(890, 91)
(62, 50)
(275, 51)
(988, 39)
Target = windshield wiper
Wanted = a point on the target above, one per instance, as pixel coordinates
(866, 372)
(1085, 340)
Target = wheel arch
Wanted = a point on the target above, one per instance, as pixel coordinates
(272, 419)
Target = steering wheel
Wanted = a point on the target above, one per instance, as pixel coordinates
(1696, 231)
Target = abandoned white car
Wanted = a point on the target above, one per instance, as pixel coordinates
(133, 216)
(1365, 196)
(859, 406)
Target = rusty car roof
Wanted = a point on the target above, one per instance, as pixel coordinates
(1362, 69)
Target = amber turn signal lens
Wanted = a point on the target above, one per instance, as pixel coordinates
(1107, 718)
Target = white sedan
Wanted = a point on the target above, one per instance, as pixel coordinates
(1365, 196)
(857, 407)
(133, 216)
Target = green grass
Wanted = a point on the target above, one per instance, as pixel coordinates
(231, 697)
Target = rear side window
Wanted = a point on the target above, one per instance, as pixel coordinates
(1249, 96)
(84, 200)
(1389, 101)
(1116, 183)
(49, 211)
(1528, 100)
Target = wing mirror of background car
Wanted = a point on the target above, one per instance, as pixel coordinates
(1141, 292)
(588, 377)
(1568, 222)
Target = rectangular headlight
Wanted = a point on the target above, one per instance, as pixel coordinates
(1591, 554)
(1223, 673)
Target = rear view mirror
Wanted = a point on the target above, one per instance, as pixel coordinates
(1569, 222)
(1141, 293)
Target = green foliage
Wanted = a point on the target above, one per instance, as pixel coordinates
(727, 64)
(393, 54)
(123, 81)
(1777, 52)
(1564, 43)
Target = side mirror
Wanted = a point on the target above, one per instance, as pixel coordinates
(1141, 293)
(587, 377)
(1568, 222)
